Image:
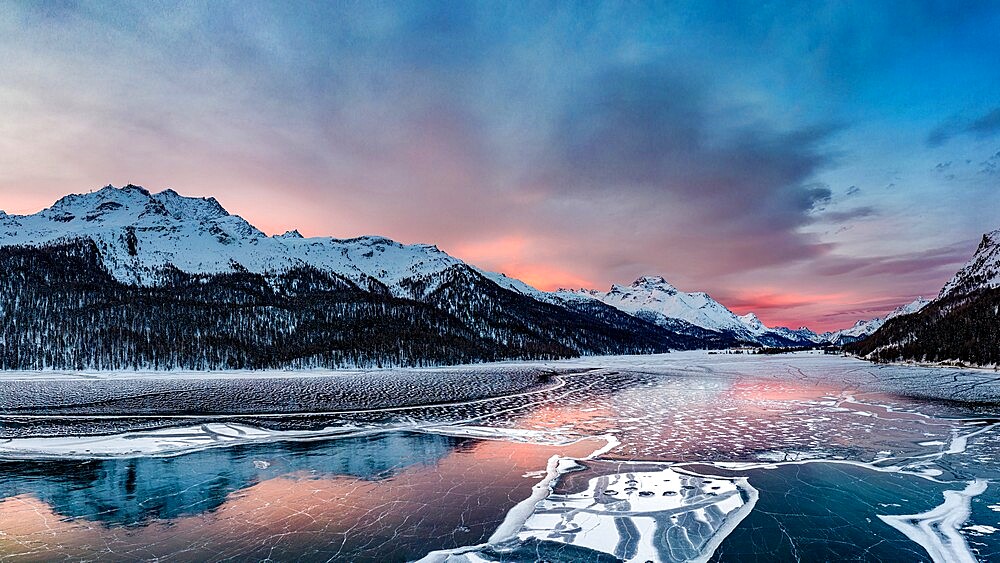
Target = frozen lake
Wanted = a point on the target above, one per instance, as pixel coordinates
(681, 457)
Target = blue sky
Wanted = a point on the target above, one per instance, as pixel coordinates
(816, 162)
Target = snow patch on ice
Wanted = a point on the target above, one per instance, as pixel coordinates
(661, 515)
(937, 530)
(160, 442)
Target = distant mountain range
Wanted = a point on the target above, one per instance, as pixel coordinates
(865, 328)
(653, 299)
(124, 278)
(961, 325)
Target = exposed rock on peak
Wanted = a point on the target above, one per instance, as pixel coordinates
(982, 271)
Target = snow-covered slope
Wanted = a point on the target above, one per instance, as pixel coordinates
(139, 233)
(960, 325)
(861, 329)
(753, 323)
(653, 294)
(654, 298)
(120, 278)
(801, 334)
(518, 286)
(763, 333)
(864, 328)
(982, 271)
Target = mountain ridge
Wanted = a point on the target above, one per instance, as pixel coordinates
(961, 325)
(866, 327)
(655, 299)
(140, 233)
(157, 241)
(123, 278)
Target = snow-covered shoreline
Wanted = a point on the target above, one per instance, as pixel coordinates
(279, 392)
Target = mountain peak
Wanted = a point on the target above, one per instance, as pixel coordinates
(131, 188)
(981, 271)
(185, 207)
(911, 307)
(653, 283)
(135, 201)
(653, 299)
(109, 201)
(650, 280)
(752, 321)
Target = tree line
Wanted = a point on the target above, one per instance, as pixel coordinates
(61, 309)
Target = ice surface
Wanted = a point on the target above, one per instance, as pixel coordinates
(835, 447)
(385, 497)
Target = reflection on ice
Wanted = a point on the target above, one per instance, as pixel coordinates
(127, 492)
(387, 497)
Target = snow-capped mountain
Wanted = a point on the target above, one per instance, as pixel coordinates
(656, 300)
(982, 271)
(865, 328)
(654, 295)
(139, 234)
(801, 334)
(121, 278)
(752, 322)
(960, 325)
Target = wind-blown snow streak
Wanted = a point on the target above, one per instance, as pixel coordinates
(937, 530)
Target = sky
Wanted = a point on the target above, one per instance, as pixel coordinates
(813, 162)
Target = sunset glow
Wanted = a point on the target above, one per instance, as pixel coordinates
(814, 186)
